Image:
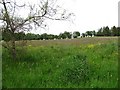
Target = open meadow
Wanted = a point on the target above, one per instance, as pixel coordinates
(76, 63)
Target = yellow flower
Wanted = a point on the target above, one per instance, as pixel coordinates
(116, 53)
(91, 46)
(99, 43)
(30, 45)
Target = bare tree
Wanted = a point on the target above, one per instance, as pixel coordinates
(12, 23)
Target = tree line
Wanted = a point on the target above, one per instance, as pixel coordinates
(104, 31)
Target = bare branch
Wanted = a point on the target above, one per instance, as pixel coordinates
(14, 2)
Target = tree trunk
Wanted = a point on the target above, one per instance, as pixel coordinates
(13, 50)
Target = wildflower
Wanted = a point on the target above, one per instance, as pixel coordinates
(29, 45)
(99, 43)
(91, 46)
(111, 75)
(116, 53)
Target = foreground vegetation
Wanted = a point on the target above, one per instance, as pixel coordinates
(78, 63)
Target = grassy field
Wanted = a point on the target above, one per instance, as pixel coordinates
(0, 66)
(77, 63)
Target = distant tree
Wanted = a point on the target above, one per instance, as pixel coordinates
(106, 31)
(62, 35)
(100, 32)
(83, 34)
(56, 36)
(114, 31)
(94, 33)
(6, 36)
(67, 34)
(118, 31)
(30, 36)
(37, 37)
(50, 36)
(20, 36)
(89, 33)
(76, 34)
(44, 36)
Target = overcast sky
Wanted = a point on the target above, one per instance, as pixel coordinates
(89, 15)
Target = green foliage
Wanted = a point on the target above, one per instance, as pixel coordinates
(63, 66)
(114, 31)
(7, 35)
(76, 34)
(65, 35)
(83, 34)
(106, 31)
(100, 32)
(20, 36)
(89, 33)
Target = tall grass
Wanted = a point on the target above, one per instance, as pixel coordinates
(0, 65)
(62, 66)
